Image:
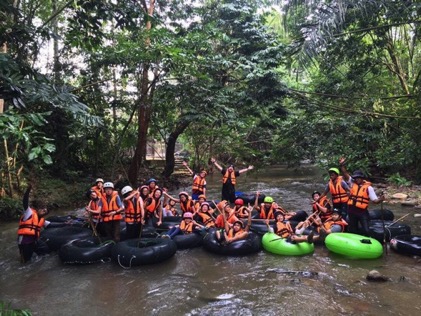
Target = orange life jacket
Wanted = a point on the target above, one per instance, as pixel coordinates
(229, 175)
(99, 192)
(329, 223)
(323, 202)
(338, 193)
(232, 233)
(94, 205)
(282, 230)
(32, 226)
(153, 205)
(220, 221)
(269, 214)
(186, 228)
(110, 206)
(132, 211)
(206, 219)
(359, 196)
(187, 206)
(198, 184)
(171, 209)
(242, 212)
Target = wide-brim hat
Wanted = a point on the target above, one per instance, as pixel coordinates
(358, 174)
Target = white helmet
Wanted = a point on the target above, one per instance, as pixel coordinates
(108, 185)
(126, 189)
(99, 180)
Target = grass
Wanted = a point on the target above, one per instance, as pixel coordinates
(7, 310)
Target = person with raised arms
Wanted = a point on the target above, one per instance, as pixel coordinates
(229, 180)
(30, 224)
(199, 182)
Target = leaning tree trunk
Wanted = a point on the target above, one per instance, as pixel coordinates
(145, 103)
(169, 152)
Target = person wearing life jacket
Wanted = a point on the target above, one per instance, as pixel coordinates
(98, 188)
(134, 213)
(361, 194)
(233, 232)
(268, 208)
(204, 217)
(111, 212)
(197, 203)
(199, 182)
(229, 180)
(335, 224)
(240, 210)
(169, 208)
(94, 212)
(186, 203)
(284, 230)
(226, 214)
(339, 191)
(152, 186)
(322, 206)
(153, 207)
(187, 226)
(144, 192)
(30, 225)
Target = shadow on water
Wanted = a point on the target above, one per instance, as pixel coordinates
(195, 282)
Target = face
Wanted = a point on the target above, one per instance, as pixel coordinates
(333, 175)
(108, 191)
(201, 200)
(183, 198)
(99, 184)
(358, 180)
(203, 174)
(43, 212)
(157, 194)
(280, 218)
(316, 196)
(94, 195)
(204, 208)
(230, 169)
(152, 184)
(172, 202)
(188, 220)
(237, 227)
(145, 191)
(335, 216)
(267, 205)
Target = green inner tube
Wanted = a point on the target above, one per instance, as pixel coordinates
(354, 246)
(280, 246)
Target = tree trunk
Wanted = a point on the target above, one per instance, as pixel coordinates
(169, 152)
(145, 110)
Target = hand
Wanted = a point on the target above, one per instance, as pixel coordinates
(185, 163)
(342, 161)
(213, 160)
(142, 221)
(250, 167)
(159, 223)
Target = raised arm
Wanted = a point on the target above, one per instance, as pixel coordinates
(344, 171)
(213, 160)
(25, 199)
(188, 168)
(249, 209)
(246, 169)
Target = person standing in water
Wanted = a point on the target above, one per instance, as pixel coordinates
(229, 180)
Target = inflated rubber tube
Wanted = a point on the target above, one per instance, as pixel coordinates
(378, 213)
(354, 246)
(250, 245)
(280, 246)
(167, 223)
(85, 251)
(188, 240)
(249, 197)
(147, 232)
(377, 231)
(42, 247)
(56, 237)
(66, 220)
(407, 244)
(135, 252)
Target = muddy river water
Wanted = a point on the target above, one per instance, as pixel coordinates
(195, 282)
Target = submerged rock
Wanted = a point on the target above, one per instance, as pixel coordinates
(376, 276)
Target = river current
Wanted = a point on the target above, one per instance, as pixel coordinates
(195, 282)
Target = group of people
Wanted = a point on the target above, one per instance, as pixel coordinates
(231, 218)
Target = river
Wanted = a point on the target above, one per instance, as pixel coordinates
(195, 282)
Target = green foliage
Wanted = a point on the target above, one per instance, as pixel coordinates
(7, 310)
(398, 180)
(10, 209)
